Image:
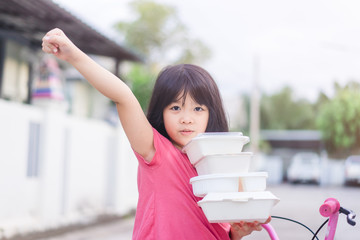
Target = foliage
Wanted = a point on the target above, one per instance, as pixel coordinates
(282, 111)
(142, 83)
(157, 34)
(336, 117)
(338, 120)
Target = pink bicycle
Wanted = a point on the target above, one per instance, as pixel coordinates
(331, 209)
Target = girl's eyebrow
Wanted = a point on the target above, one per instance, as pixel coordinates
(175, 101)
(178, 101)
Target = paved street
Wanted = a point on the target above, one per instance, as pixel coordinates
(299, 202)
(119, 230)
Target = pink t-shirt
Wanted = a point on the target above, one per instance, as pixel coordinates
(167, 207)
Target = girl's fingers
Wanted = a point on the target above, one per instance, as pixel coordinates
(55, 31)
(243, 227)
(55, 36)
(52, 43)
(257, 226)
(46, 49)
(49, 48)
(55, 40)
(247, 227)
(268, 220)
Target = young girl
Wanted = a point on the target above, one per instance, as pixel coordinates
(185, 102)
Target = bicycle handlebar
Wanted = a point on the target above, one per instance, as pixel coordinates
(350, 215)
(329, 207)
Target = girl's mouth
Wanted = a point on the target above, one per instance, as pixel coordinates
(186, 132)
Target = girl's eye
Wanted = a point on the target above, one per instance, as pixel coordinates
(198, 109)
(176, 108)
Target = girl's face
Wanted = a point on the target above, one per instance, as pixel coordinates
(184, 120)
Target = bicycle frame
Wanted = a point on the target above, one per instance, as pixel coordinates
(271, 231)
(331, 209)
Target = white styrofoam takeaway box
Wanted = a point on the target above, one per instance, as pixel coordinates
(212, 143)
(244, 182)
(225, 163)
(239, 206)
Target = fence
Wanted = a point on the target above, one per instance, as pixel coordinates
(57, 169)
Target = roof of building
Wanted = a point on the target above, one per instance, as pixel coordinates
(291, 135)
(32, 19)
(293, 139)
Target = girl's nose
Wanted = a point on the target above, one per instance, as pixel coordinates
(186, 119)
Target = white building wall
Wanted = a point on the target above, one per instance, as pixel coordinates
(19, 201)
(127, 176)
(86, 168)
(235, 111)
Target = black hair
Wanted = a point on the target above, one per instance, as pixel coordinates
(186, 79)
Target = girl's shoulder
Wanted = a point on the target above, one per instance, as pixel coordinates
(160, 141)
(163, 149)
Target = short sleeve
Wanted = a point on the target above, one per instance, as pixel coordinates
(160, 143)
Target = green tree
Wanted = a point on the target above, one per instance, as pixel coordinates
(157, 34)
(338, 120)
(141, 84)
(282, 111)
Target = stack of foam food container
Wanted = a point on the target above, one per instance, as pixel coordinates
(230, 192)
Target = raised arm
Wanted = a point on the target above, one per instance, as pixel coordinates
(132, 117)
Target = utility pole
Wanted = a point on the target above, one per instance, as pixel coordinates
(255, 108)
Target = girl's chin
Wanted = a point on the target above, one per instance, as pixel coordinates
(183, 139)
(180, 145)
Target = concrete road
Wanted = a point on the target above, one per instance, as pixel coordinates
(299, 202)
(118, 230)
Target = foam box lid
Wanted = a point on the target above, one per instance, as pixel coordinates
(239, 196)
(229, 175)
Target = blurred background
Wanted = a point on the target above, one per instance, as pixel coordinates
(288, 72)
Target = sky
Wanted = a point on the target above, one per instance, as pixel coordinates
(306, 45)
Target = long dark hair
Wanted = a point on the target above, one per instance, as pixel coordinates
(186, 79)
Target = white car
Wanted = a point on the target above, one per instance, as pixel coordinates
(304, 168)
(352, 170)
